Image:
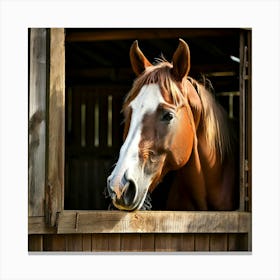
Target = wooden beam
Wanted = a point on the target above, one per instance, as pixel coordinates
(37, 225)
(153, 222)
(37, 121)
(56, 126)
(100, 34)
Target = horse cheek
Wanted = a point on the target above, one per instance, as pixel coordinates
(182, 146)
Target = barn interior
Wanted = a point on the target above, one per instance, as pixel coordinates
(98, 77)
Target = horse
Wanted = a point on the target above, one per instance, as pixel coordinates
(172, 123)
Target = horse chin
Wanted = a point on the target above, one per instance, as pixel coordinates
(129, 208)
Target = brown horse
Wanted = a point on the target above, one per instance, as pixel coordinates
(173, 123)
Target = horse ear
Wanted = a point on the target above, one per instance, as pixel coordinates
(181, 61)
(138, 60)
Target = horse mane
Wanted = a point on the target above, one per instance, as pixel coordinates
(214, 118)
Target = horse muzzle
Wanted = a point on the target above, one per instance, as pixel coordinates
(123, 193)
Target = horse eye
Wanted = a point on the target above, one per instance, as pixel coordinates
(167, 116)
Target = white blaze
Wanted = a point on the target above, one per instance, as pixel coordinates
(146, 102)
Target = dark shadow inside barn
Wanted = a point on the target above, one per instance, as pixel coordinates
(99, 75)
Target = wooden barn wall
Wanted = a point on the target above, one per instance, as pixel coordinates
(139, 242)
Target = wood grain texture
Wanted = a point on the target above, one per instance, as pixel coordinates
(202, 242)
(153, 222)
(35, 243)
(218, 242)
(37, 121)
(139, 242)
(239, 242)
(54, 243)
(114, 242)
(37, 225)
(151, 33)
(100, 242)
(74, 242)
(147, 242)
(130, 242)
(86, 242)
(56, 126)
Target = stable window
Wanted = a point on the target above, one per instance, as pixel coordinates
(85, 76)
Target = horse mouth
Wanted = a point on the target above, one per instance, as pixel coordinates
(144, 204)
(130, 199)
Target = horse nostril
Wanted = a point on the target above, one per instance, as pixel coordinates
(129, 192)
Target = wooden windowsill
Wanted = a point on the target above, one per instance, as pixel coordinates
(76, 221)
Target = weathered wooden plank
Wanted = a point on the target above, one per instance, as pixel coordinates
(52, 242)
(153, 222)
(74, 242)
(201, 242)
(249, 121)
(130, 242)
(147, 242)
(159, 242)
(35, 243)
(100, 242)
(37, 225)
(238, 242)
(86, 240)
(218, 242)
(148, 33)
(185, 242)
(242, 119)
(114, 242)
(176, 242)
(37, 121)
(56, 126)
(165, 242)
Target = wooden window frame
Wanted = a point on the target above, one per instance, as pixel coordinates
(57, 220)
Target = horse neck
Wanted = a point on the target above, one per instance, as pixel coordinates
(208, 180)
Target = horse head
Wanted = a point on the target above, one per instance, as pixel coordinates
(162, 113)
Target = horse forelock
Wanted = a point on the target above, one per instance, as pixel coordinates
(213, 119)
(157, 74)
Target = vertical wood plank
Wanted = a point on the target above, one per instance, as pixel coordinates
(114, 242)
(218, 242)
(201, 242)
(53, 242)
(56, 126)
(174, 242)
(242, 122)
(37, 121)
(35, 243)
(238, 242)
(117, 127)
(130, 242)
(103, 120)
(186, 242)
(100, 242)
(164, 242)
(74, 242)
(86, 242)
(249, 121)
(76, 117)
(147, 242)
(90, 119)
